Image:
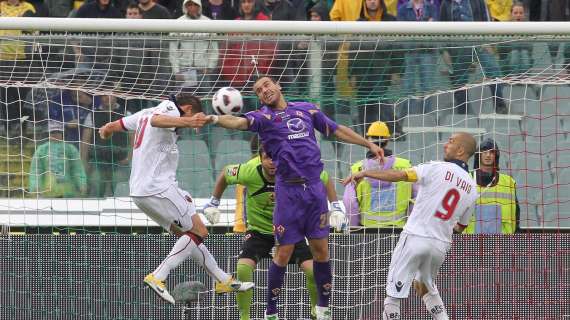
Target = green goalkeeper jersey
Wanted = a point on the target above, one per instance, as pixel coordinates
(260, 197)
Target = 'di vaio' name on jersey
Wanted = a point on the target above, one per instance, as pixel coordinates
(446, 196)
(155, 154)
(260, 200)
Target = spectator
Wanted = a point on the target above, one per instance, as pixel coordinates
(59, 8)
(516, 56)
(320, 12)
(346, 10)
(500, 10)
(133, 11)
(194, 61)
(56, 170)
(13, 65)
(497, 209)
(283, 10)
(98, 9)
(108, 159)
(244, 59)
(251, 10)
(460, 58)
(175, 7)
(374, 203)
(419, 60)
(218, 10)
(152, 10)
(436, 4)
(73, 109)
(372, 67)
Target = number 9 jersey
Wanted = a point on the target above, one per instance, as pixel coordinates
(446, 196)
(155, 154)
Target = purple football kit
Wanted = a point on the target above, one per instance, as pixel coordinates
(288, 137)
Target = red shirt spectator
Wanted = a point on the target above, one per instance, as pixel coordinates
(240, 58)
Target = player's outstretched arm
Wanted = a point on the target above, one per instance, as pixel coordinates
(384, 175)
(346, 134)
(163, 121)
(228, 122)
(106, 131)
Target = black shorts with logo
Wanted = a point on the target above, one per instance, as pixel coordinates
(257, 245)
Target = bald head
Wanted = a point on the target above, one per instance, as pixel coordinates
(461, 146)
(468, 142)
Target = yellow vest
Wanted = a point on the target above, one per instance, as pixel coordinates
(494, 203)
(382, 208)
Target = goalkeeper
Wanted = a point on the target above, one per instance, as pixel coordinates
(258, 176)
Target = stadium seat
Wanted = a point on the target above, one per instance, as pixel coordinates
(501, 126)
(193, 154)
(459, 121)
(419, 120)
(542, 125)
(223, 160)
(226, 147)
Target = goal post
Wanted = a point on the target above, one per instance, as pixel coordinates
(64, 205)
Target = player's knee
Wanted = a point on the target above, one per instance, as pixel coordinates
(320, 253)
(283, 254)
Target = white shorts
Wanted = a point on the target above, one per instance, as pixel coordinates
(416, 258)
(172, 206)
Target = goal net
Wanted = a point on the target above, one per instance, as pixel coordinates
(75, 246)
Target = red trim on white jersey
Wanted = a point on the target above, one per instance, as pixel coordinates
(123, 124)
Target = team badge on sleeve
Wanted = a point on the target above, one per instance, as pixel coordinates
(232, 171)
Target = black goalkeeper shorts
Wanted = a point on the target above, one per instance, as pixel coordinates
(257, 246)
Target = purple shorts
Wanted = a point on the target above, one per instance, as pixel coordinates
(301, 210)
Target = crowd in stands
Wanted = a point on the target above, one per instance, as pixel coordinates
(191, 64)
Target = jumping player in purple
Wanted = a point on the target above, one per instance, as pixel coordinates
(287, 132)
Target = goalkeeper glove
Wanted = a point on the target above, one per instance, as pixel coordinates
(337, 218)
(211, 211)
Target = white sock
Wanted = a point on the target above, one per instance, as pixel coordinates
(184, 248)
(180, 252)
(391, 309)
(435, 306)
(203, 257)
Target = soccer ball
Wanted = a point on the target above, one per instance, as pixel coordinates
(227, 101)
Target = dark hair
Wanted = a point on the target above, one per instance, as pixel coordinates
(133, 5)
(184, 98)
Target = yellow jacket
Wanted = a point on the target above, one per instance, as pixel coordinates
(500, 9)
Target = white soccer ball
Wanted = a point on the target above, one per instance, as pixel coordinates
(227, 101)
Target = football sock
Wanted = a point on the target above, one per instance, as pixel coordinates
(435, 306)
(244, 298)
(274, 284)
(311, 287)
(323, 280)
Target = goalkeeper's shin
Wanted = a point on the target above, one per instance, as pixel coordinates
(244, 299)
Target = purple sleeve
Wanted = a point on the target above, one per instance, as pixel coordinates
(323, 123)
(256, 121)
(351, 205)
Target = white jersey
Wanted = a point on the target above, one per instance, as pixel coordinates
(446, 196)
(155, 154)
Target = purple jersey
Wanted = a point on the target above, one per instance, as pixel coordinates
(288, 137)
